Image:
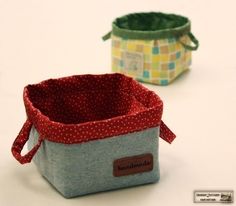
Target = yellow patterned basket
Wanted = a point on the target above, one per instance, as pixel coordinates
(151, 47)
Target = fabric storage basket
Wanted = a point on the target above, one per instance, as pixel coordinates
(151, 47)
(92, 133)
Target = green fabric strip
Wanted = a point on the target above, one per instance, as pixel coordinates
(150, 35)
(106, 36)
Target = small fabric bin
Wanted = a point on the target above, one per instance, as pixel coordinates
(92, 133)
(151, 47)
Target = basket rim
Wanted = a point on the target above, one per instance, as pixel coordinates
(56, 131)
(174, 32)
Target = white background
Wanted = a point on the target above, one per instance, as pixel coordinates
(53, 38)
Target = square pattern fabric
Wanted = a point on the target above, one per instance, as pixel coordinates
(151, 47)
(153, 61)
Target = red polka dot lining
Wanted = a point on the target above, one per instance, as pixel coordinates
(81, 108)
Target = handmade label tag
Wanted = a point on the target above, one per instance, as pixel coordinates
(133, 62)
(132, 165)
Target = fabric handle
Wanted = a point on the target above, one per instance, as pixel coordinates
(106, 36)
(193, 39)
(166, 134)
(20, 141)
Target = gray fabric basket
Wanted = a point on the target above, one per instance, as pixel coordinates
(92, 133)
(80, 169)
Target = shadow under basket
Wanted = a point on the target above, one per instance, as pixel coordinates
(92, 133)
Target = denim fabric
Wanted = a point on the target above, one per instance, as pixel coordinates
(80, 169)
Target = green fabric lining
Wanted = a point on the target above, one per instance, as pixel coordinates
(150, 21)
(148, 26)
